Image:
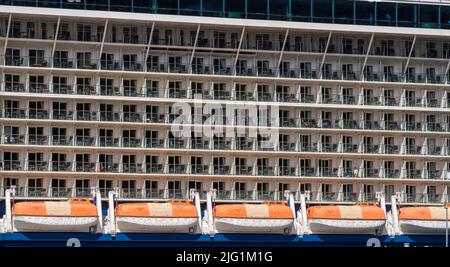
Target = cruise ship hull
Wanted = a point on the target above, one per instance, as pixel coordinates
(43, 239)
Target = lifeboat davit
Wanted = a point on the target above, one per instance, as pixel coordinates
(253, 218)
(357, 219)
(174, 216)
(75, 215)
(422, 220)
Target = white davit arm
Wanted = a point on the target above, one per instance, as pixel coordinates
(382, 201)
(395, 215)
(209, 210)
(199, 210)
(290, 200)
(382, 204)
(8, 225)
(111, 212)
(98, 204)
(303, 212)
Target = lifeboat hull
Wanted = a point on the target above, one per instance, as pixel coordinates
(54, 224)
(156, 225)
(422, 227)
(328, 226)
(249, 225)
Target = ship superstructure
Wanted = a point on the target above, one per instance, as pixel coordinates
(333, 104)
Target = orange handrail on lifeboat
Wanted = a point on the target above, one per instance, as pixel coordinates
(267, 211)
(340, 212)
(70, 208)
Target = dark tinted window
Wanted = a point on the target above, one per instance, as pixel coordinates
(386, 14)
(235, 8)
(190, 7)
(406, 15)
(301, 10)
(256, 9)
(365, 13)
(279, 9)
(213, 8)
(343, 11)
(168, 6)
(323, 11)
(428, 16)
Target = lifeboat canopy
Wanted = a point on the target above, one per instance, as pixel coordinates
(270, 217)
(422, 220)
(261, 211)
(340, 219)
(72, 208)
(74, 215)
(166, 217)
(173, 209)
(341, 212)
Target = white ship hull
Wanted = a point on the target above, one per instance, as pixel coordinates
(263, 226)
(345, 226)
(422, 227)
(54, 224)
(156, 225)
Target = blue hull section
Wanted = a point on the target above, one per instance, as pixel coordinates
(219, 240)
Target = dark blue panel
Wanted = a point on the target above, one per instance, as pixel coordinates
(213, 8)
(235, 8)
(257, 9)
(445, 17)
(120, 5)
(280, 9)
(407, 15)
(301, 10)
(50, 3)
(142, 6)
(25, 2)
(168, 6)
(365, 13)
(190, 7)
(323, 11)
(428, 16)
(386, 14)
(343, 11)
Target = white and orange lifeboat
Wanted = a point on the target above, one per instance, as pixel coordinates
(355, 219)
(173, 216)
(74, 215)
(422, 220)
(253, 218)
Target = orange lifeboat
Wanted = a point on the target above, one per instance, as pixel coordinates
(58, 216)
(422, 220)
(356, 219)
(253, 218)
(174, 216)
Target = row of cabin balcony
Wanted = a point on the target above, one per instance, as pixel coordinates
(197, 165)
(222, 91)
(236, 190)
(387, 124)
(229, 39)
(241, 117)
(224, 195)
(374, 71)
(130, 138)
